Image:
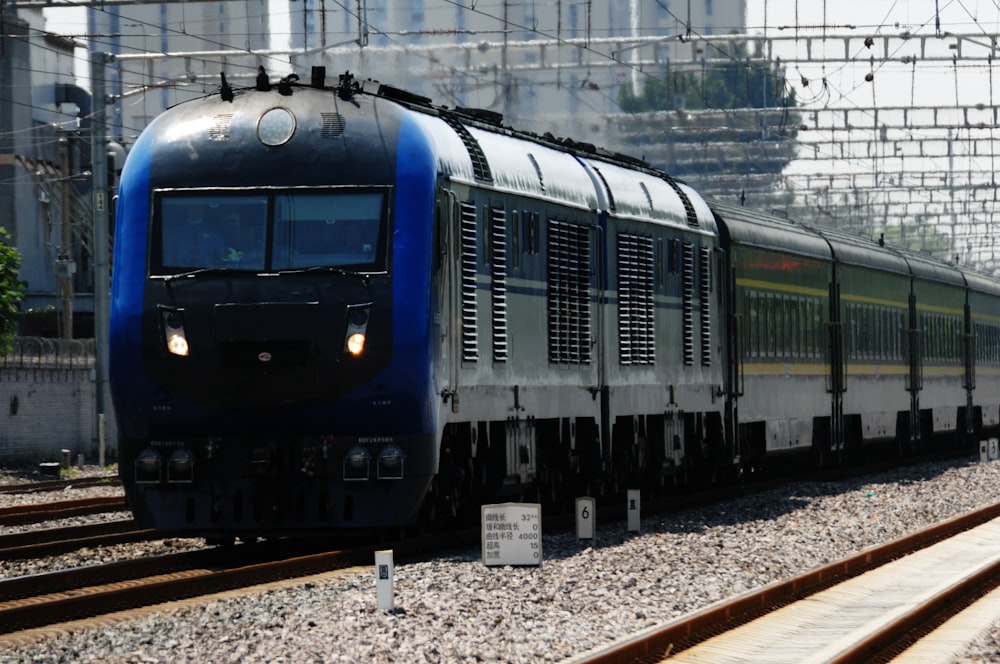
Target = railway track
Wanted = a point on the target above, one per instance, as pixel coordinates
(867, 608)
(56, 541)
(46, 599)
(59, 485)
(38, 512)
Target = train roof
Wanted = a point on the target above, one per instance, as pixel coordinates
(757, 229)
(473, 147)
(930, 268)
(863, 252)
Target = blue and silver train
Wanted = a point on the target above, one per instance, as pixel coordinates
(340, 306)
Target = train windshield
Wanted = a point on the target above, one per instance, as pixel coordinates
(269, 231)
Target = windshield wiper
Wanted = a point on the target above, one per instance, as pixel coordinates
(330, 269)
(191, 274)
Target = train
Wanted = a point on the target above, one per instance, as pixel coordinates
(338, 306)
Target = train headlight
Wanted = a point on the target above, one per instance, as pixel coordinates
(390, 463)
(355, 343)
(356, 463)
(180, 466)
(357, 329)
(148, 466)
(173, 332)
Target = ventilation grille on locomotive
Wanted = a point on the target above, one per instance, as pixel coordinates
(635, 300)
(333, 125)
(480, 166)
(569, 293)
(467, 229)
(498, 254)
(692, 216)
(687, 304)
(705, 278)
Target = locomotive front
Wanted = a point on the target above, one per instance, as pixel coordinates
(270, 355)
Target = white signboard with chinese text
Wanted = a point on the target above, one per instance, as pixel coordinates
(512, 534)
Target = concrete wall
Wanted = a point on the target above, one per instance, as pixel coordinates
(47, 403)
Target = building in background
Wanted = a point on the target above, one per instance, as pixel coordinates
(211, 38)
(544, 65)
(44, 161)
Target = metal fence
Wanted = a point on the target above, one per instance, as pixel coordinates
(50, 353)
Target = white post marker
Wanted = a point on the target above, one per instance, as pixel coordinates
(633, 510)
(994, 449)
(984, 450)
(512, 534)
(585, 517)
(383, 580)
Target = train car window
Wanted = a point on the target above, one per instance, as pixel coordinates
(530, 223)
(328, 229)
(805, 314)
(196, 230)
(796, 320)
(769, 333)
(660, 267)
(515, 239)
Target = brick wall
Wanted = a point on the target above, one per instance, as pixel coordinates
(47, 403)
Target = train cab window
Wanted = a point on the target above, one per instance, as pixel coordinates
(329, 229)
(258, 231)
(196, 230)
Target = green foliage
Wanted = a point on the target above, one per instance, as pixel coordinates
(745, 81)
(11, 291)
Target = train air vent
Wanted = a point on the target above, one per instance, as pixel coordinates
(692, 216)
(333, 125)
(569, 266)
(467, 228)
(636, 336)
(705, 277)
(219, 131)
(498, 256)
(687, 305)
(480, 167)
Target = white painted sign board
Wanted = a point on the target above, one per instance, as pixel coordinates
(633, 510)
(383, 580)
(512, 534)
(585, 517)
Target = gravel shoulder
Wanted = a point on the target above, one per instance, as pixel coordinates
(585, 594)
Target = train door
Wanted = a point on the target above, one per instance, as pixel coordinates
(836, 383)
(446, 293)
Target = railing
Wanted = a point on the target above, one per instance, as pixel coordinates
(45, 352)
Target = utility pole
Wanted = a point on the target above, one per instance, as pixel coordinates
(65, 259)
(102, 273)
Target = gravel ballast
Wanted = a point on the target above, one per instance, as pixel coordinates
(586, 593)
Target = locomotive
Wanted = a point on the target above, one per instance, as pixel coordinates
(339, 306)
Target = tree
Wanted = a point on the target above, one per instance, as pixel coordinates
(727, 129)
(11, 291)
(745, 81)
